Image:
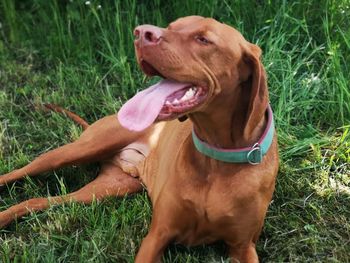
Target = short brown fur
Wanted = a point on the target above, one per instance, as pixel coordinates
(195, 199)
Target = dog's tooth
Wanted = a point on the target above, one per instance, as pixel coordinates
(167, 102)
(176, 101)
(184, 97)
(188, 95)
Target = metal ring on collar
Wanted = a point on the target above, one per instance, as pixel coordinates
(254, 156)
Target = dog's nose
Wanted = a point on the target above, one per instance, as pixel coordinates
(148, 34)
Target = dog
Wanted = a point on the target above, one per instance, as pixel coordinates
(201, 141)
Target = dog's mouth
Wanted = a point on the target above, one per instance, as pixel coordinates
(181, 101)
(166, 100)
(148, 69)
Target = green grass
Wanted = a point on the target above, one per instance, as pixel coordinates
(81, 57)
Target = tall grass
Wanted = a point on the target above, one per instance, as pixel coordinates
(81, 56)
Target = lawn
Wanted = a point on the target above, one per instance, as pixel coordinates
(79, 54)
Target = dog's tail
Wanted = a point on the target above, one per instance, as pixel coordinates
(84, 124)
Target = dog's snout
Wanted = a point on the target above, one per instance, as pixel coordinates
(148, 34)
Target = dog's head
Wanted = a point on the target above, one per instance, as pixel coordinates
(204, 62)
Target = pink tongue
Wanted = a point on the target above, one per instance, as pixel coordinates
(143, 109)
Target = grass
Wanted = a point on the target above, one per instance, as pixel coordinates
(81, 57)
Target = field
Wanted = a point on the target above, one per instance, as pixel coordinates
(79, 54)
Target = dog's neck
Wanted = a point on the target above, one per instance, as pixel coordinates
(223, 126)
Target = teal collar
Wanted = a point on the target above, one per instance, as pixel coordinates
(252, 155)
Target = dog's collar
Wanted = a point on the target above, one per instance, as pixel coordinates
(252, 155)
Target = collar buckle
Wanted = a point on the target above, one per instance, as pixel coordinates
(254, 156)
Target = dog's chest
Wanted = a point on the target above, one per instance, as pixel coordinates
(205, 200)
(208, 211)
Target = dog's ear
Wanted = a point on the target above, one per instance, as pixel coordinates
(253, 79)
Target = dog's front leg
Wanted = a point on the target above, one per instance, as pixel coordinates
(153, 246)
(243, 253)
(163, 230)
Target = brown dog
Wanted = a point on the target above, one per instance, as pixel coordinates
(200, 174)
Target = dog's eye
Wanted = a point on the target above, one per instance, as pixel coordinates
(203, 40)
